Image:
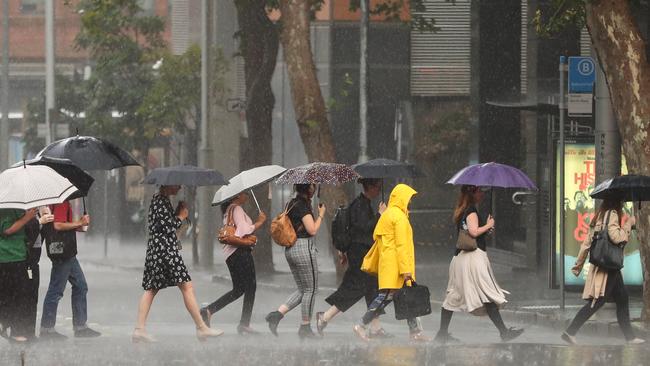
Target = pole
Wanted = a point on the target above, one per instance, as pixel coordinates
(106, 181)
(4, 124)
(562, 69)
(256, 203)
(206, 233)
(49, 70)
(363, 86)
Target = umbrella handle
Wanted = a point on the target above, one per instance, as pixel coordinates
(83, 199)
(256, 203)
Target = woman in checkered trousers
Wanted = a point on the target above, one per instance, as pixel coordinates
(302, 260)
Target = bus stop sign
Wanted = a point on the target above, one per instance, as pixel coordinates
(582, 76)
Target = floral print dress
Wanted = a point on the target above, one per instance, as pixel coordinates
(164, 266)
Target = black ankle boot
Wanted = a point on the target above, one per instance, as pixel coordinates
(305, 331)
(274, 318)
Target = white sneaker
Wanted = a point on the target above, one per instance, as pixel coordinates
(636, 341)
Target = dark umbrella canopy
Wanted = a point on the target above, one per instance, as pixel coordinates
(492, 175)
(82, 180)
(386, 168)
(89, 153)
(185, 175)
(318, 173)
(624, 188)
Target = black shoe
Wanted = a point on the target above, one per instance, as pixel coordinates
(86, 333)
(446, 338)
(320, 323)
(305, 332)
(52, 335)
(205, 315)
(511, 333)
(273, 319)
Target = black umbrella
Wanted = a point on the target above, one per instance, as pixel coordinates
(624, 188)
(386, 168)
(89, 153)
(82, 180)
(185, 175)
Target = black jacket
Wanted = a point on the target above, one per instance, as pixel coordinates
(363, 219)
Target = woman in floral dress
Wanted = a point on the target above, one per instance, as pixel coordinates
(164, 266)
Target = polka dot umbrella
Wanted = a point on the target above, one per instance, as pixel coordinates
(318, 173)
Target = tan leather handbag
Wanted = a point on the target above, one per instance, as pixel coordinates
(227, 233)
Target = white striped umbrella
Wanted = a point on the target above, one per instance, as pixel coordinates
(29, 186)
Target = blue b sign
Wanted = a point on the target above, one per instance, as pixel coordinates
(582, 75)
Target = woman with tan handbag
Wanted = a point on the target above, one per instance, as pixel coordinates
(301, 257)
(604, 285)
(239, 259)
(472, 287)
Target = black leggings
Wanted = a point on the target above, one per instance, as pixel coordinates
(242, 271)
(615, 289)
(492, 311)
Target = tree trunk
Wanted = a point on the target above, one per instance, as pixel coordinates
(621, 51)
(308, 102)
(259, 47)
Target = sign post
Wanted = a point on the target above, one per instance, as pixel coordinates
(582, 75)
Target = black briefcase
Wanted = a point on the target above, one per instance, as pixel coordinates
(412, 301)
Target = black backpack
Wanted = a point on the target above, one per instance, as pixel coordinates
(341, 229)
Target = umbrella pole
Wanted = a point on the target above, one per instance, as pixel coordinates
(106, 214)
(256, 203)
(83, 199)
(382, 189)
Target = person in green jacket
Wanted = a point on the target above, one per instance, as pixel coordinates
(14, 273)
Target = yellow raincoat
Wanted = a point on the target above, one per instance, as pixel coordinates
(393, 253)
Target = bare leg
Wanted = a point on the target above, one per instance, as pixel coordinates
(190, 304)
(283, 309)
(330, 313)
(375, 326)
(143, 308)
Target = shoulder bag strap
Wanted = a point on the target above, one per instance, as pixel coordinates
(230, 221)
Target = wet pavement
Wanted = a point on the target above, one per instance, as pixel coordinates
(115, 291)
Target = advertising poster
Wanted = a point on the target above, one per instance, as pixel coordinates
(578, 206)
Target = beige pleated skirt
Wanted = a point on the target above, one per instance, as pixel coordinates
(472, 284)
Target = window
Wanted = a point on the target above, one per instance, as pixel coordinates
(32, 6)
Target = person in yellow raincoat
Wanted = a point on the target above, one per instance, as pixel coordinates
(391, 259)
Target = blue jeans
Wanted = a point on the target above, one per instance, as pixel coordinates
(62, 272)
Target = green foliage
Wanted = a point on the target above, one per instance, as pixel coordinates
(174, 100)
(563, 13)
(124, 44)
(71, 101)
(443, 134)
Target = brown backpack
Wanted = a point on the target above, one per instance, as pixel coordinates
(282, 230)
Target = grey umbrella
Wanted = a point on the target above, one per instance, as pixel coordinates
(185, 175)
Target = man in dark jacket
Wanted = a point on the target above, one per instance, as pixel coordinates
(357, 284)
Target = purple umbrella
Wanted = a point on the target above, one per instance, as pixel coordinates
(492, 175)
(318, 173)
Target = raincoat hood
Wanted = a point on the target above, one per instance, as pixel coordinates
(401, 196)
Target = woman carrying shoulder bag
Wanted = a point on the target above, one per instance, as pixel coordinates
(604, 285)
(302, 260)
(472, 287)
(239, 259)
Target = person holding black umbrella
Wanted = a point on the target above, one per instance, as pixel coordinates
(164, 266)
(62, 250)
(604, 285)
(356, 284)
